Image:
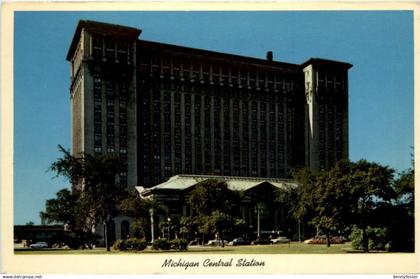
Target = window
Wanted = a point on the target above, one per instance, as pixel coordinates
(125, 229)
(97, 47)
(110, 49)
(98, 139)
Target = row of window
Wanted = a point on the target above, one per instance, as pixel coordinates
(220, 73)
(109, 49)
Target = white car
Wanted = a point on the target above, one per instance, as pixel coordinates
(217, 242)
(39, 245)
(280, 239)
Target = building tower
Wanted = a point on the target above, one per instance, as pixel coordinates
(103, 79)
(326, 113)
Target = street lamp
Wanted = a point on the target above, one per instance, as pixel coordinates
(169, 228)
(259, 208)
(152, 224)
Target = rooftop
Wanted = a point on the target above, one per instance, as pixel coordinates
(101, 27)
(235, 183)
(134, 33)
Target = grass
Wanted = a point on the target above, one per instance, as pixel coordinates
(294, 248)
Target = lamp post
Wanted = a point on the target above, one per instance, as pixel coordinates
(152, 224)
(169, 228)
(259, 208)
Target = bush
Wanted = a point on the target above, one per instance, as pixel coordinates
(137, 244)
(161, 244)
(179, 244)
(378, 238)
(119, 245)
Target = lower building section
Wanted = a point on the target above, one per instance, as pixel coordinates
(120, 227)
(258, 211)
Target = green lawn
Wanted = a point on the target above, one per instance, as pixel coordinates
(294, 248)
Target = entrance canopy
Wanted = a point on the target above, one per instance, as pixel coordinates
(179, 183)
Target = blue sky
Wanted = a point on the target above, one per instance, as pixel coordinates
(378, 44)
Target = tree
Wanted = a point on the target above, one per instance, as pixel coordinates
(212, 202)
(62, 209)
(186, 226)
(400, 214)
(210, 195)
(69, 209)
(404, 189)
(370, 184)
(95, 177)
(332, 198)
(300, 202)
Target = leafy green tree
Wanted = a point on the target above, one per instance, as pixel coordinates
(404, 188)
(331, 199)
(186, 226)
(334, 200)
(400, 213)
(95, 177)
(369, 184)
(69, 209)
(300, 202)
(221, 223)
(62, 209)
(210, 195)
(139, 209)
(212, 203)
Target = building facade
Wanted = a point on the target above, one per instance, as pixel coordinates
(167, 110)
(258, 206)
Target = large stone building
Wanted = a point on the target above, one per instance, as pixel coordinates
(168, 110)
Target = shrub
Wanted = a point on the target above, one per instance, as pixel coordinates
(119, 245)
(130, 244)
(137, 244)
(377, 237)
(161, 244)
(179, 244)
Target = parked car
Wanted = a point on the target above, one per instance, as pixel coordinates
(39, 245)
(239, 241)
(194, 242)
(261, 241)
(280, 239)
(217, 242)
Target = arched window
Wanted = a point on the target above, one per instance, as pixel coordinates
(125, 229)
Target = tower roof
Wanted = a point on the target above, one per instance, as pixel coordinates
(101, 28)
(331, 63)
